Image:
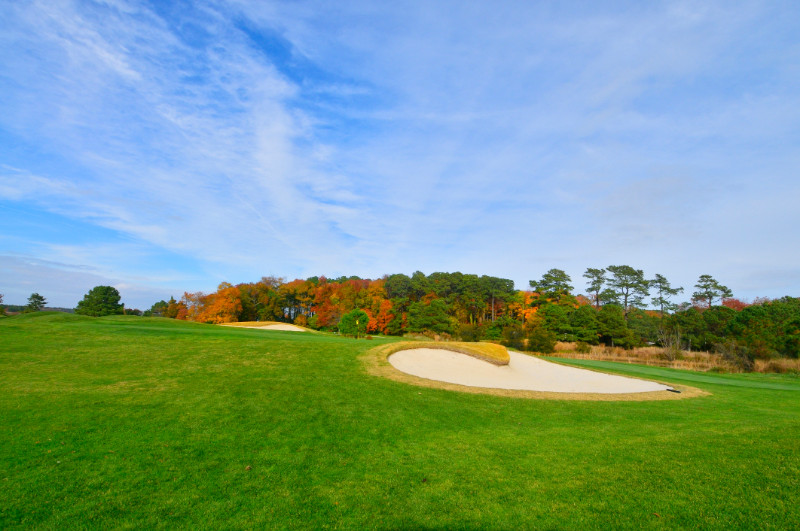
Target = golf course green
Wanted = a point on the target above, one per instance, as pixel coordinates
(130, 422)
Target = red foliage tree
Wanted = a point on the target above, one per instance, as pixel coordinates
(735, 304)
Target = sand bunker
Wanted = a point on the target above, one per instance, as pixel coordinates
(524, 373)
(285, 327)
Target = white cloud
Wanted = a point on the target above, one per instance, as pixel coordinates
(376, 138)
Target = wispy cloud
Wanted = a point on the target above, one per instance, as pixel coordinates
(302, 138)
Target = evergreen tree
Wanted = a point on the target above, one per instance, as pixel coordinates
(585, 325)
(556, 319)
(354, 323)
(554, 285)
(664, 291)
(540, 339)
(431, 317)
(35, 303)
(596, 278)
(613, 328)
(101, 300)
(158, 309)
(629, 286)
(709, 289)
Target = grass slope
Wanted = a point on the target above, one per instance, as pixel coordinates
(494, 354)
(134, 422)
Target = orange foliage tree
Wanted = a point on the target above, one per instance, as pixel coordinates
(224, 306)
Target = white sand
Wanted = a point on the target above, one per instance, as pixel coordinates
(285, 327)
(522, 373)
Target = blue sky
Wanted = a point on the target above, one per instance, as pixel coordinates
(163, 147)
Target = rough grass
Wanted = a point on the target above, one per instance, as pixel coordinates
(691, 360)
(129, 422)
(778, 366)
(655, 356)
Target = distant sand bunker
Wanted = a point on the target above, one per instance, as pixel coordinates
(523, 373)
(285, 327)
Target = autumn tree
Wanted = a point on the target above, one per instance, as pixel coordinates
(267, 300)
(734, 304)
(101, 300)
(628, 286)
(596, 279)
(194, 304)
(326, 307)
(384, 316)
(173, 308)
(223, 306)
(35, 303)
(299, 297)
(664, 291)
(709, 289)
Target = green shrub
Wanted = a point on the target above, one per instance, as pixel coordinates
(470, 332)
(513, 337)
(541, 340)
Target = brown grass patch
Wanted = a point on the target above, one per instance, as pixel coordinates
(780, 366)
(653, 356)
(376, 363)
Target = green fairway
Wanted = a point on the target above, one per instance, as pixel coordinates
(137, 423)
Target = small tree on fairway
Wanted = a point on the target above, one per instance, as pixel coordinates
(101, 300)
(35, 303)
(354, 323)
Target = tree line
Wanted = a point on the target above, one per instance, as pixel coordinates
(622, 307)
(99, 301)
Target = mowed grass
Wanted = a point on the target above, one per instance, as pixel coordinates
(130, 422)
